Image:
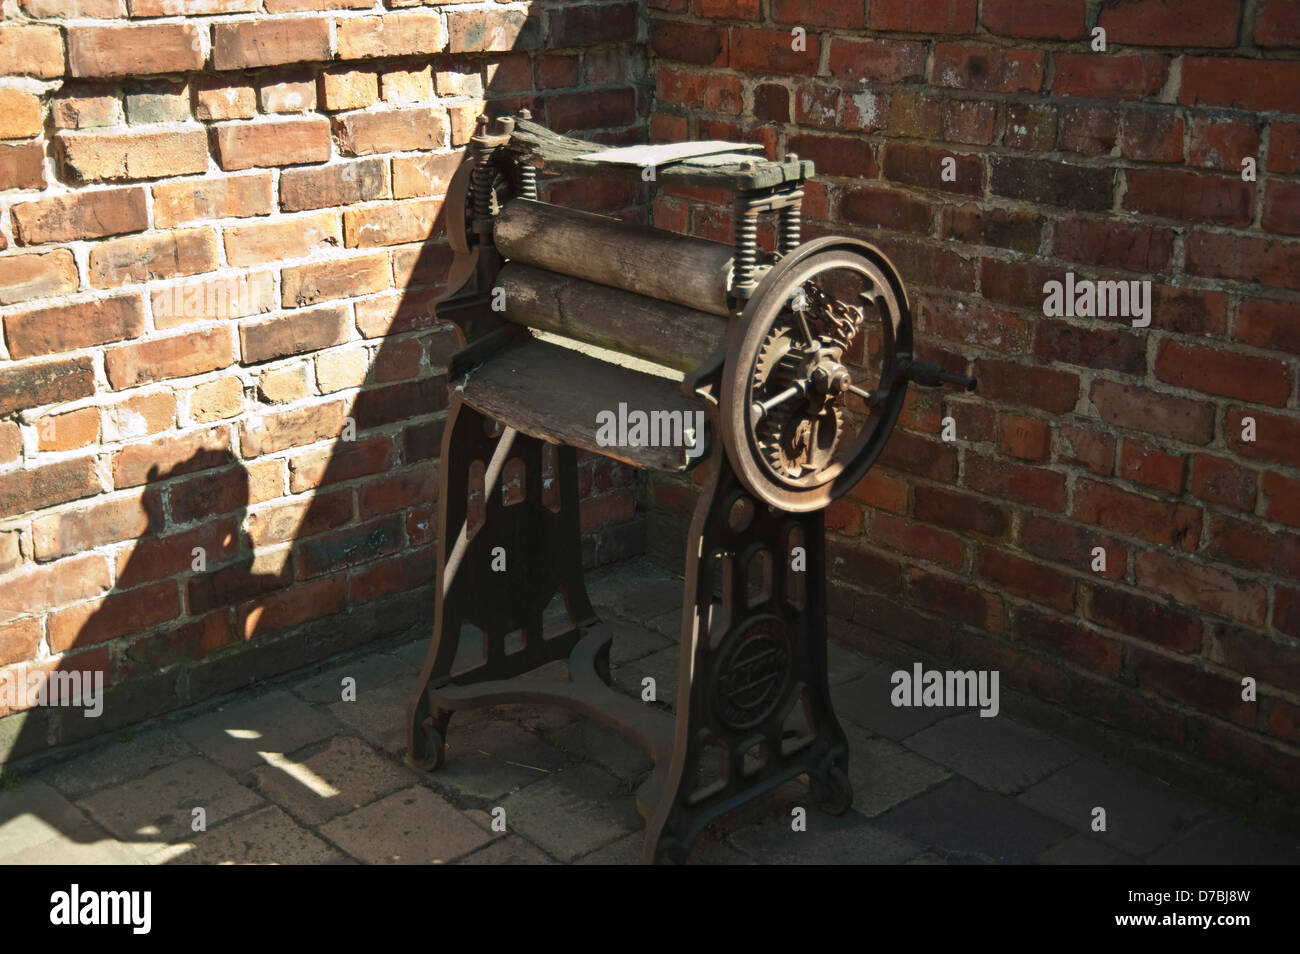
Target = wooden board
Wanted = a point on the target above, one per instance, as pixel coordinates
(556, 394)
(687, 271)
(672, 335)
(563, 155)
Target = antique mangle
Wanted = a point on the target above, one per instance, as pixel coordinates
(800, 360)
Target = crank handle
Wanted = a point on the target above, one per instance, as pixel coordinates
(932, 376)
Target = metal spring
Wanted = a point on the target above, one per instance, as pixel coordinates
(791, 228)
(484, 175)
(527, 180)
(746, 249)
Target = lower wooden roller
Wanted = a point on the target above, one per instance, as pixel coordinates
(668, 334)
(680, 269)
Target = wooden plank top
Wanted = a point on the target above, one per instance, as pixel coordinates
(551, 152)
(561, 395)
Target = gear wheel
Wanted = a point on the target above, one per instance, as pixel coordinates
(792, 436)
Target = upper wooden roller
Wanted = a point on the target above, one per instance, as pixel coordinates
(651, 262)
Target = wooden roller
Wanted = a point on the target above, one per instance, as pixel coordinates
(660, 331)
(651, 262)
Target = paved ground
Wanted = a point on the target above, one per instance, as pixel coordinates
(291, 773)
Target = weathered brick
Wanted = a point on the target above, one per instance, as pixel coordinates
(1276, 437)
(176, 203)
(285, 429)
(395, 34)
(1209, 588)
(1246, 259)
(283, 385)
(337, 278)
(21, 115)
(1169, 523)
(56, 328)
(247, 44)
(135, 50)
(295, 334)
(286, 143)
(1027, 578)
(1112, 76)
(391, 224)
(172, 455)
(770, 51)
(1161, 23)
(216, 400)
(213, 299)
(397, 130)
(1109, 244)
(173, 8)
(964, 66)
(923, 166)
(292, 93)
(1223, 481)
(153, 256)
(85, 112)
(69, 431)
(22, 166)
(22, 491)
(336, 184)
(1038, 19)
(1122, 405)
(45, 382)
(871, 60)
(114, 616)
(1215, 371)
(1277, 24)
(1144, 619)
(139, 416)
(946, 16)
(1282, 208)
(1043, 388)
(1190, 197)
(24, 277)
(280, 239)
(1269, 324)
(223, 97)
(297, 605)
(35, 590)
(176, 357)
(349, 88)
(424, 175)
(402, 87)
(491, 31)
(1051, 182)
(31, 50)
(1241, 83)
(360, 458)
(84, 215)
(1152, 136)
(282, 523)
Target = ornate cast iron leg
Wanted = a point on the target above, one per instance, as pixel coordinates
(509, 542)
(753, 703)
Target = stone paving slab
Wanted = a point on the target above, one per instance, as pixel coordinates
(1225, 839)
(266, 836)
(997, 753)
(343, 776)
(573, 812)
(410, 827)
(275, 722)
(866, 702)
(959, 818)
(158, 809)
(1141, 812)
(290, 772)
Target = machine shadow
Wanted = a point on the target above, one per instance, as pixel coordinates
(363, 539)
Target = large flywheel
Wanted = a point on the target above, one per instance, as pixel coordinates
(816, 373)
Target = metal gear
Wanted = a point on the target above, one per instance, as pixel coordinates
(792, 435)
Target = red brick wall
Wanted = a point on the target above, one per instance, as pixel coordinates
(1085, 432)
(220, 236)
